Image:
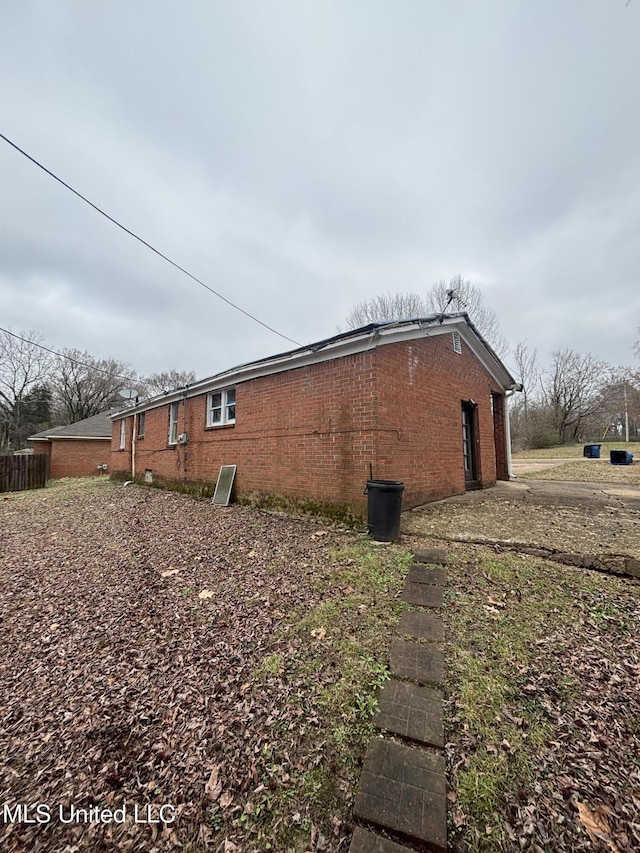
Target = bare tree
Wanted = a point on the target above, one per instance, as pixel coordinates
(457, 295)
(84, 386)
(528, 426)
(461, 295)
(528, 372)
(24, 365)
(619, 412)
(168, 380)
(389, 306)
(574, 390)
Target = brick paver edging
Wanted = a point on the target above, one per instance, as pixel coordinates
(402, 789)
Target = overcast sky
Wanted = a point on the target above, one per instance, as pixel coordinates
(300, 156)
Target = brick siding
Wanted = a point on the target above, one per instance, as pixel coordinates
(314, 431)
(420, 388)
(76, 457)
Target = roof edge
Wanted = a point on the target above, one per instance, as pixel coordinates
(338, 346)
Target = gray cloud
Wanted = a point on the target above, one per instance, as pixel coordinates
(300, 157)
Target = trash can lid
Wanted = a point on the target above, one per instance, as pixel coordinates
(390, 485)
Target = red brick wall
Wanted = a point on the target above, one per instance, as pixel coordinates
(77, 457)
(302, 433)
(313, 432)
(420, 387)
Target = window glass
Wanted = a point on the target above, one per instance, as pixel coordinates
(215, 411)
(221, 407)
(173, 423)
(231, 405)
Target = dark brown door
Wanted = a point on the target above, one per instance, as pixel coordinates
(469, 445)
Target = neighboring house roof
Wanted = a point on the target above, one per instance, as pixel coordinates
(346, 343)
(96, 427)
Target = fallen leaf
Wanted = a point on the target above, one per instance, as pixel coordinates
(226, 799)
(597, 825)
(213, 788)
(169, 572)
(459, 818)
(492, 611)
(319, 633)
(206, 593)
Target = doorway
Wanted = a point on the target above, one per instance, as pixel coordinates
(469, 445)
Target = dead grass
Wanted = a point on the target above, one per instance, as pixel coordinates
(575, 451)
(590, 471)
(542, 711)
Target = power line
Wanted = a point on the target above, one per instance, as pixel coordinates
(144, 242)
(68, 357)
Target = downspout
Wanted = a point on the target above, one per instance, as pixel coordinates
(133, 446)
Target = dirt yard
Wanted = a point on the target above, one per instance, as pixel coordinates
(205, 677)
(156, 651)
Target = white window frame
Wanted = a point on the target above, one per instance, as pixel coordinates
(123, 433)
(224, 403)
(174, 414)
(141, 424)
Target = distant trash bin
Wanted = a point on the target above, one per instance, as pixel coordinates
(592, 451)
(620, 457)
(384, 503)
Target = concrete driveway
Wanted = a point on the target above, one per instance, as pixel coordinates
(590, 524)
(552, 493)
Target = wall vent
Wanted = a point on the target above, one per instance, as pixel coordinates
(457, 342)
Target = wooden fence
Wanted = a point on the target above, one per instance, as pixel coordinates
(23, 472)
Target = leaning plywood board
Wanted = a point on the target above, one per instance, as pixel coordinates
(224, 485)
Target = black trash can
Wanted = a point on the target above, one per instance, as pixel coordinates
(620, 457)
(384, 503)
(592, 451)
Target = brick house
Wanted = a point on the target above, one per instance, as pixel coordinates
(76, 450)
(421, 400)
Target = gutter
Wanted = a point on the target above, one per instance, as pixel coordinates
(73, 438)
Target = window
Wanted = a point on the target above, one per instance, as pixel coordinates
(141, 420)
(173, 423)
(457, 342)
(221, 407)
(123, 433)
